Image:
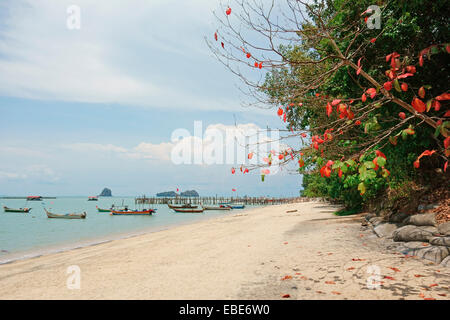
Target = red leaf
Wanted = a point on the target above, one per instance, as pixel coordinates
(421, 60)
(373, 40)
(380, 154)
(286, 296)
(426, 153)
(233, 170)
(395, 269)
(402, 115)
(416, 164)
(336, 102)
(357, 122)
(372, 92)
(418, 105)
(280, 111)
(250, 155)
(436, 105)
(445, 166)
(363, 98)
(260, 65)
(404, 86)
(405, 75)
(330, 282)
(447, 142)
(388, 277)
(286, 278)
(329, 109)
(433, 285)
(248, 55)
(444, 96)
(422, 92)
(447, 114)
(411, 69)
(388, 85)
(222, 44)
(215, 36)
(228, 12)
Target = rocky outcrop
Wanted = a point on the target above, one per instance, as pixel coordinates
(167, 194)
(190, 193)
(105, 193)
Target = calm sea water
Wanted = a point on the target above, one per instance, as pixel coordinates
(30, 234)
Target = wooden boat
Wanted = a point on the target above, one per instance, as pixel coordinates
(233, 206)
(34, 198)
(188, 210)
(103, 210)
(217, 208)
(184, 206)
(132, 213)
(66, 216)
(93, 199)
(21, 210)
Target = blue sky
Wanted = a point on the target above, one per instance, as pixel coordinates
(91, 108)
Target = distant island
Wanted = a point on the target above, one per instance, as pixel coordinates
(106, 193)
(188, 193)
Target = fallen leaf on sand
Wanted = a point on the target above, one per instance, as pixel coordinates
(358, 259)
(318, 291)
(421, 295)
(335, 292)
(330, 282)
(286, 243)
(304, 278)
(388, 277)
(418, 276)
(429, 299)
(297, 273)
(286, 296)
(286, 278)
(442, 294)
(351, 268)
(433, 285)
(395, 269)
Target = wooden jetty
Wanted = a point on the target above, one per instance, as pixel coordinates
(258, 201)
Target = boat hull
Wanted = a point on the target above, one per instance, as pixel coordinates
(132, 213)
(24, 210)
(185, 206)
(216, 208)
(187, 210)
(67, 216)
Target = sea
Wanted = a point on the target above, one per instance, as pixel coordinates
(27, 235)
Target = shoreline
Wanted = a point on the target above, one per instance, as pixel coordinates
(262, 253)
(11, 257)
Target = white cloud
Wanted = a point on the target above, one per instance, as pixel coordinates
(35, 172)
(143, 53)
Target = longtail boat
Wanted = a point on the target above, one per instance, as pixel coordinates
(184, 206)
(21, 210)
(34, 198)
(188, 210)
(217, 208)
(132, 213)
(93, 199)
(233, 206)
(103, 210)
(66, 216)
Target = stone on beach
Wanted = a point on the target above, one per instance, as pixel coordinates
(385, 230)
(428, 219)
(411, 233)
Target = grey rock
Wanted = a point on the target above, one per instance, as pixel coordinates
(424, 207)
(428, 219)
(433, 253)
(440, 241)
(444, 229)
(398, 217)
(106, 193)
(376, 221)
(446, 262)
(385, 230)
(411, 233)
(369, 216)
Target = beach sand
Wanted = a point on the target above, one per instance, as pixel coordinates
(244, 255)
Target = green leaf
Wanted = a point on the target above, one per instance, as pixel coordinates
(362, 188)
(397, 85)
(381, 161)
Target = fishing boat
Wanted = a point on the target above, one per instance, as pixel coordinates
(217, 208)
(34, 198)
(184, 206)
(233, 206)
(21, 210)
(103, 210)
(132, 212)
(66, 216)
(93, 199)
(188, 210)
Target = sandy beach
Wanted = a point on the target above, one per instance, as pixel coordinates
(262, 253)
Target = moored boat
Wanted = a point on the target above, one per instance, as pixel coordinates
(34, 198)
(233, 206)
(66, 216)
(184, 206)
(132, 212)
(103, 210)
(21, 210)
(188, 210)
(93, 199)
(217, 208)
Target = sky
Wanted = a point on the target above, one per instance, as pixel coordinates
(94, 107)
